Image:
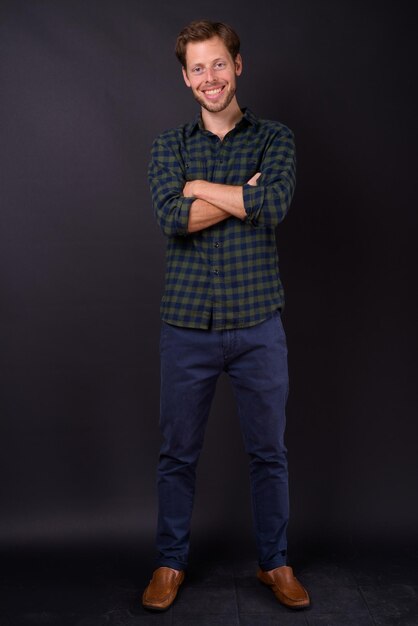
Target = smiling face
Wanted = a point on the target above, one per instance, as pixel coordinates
(211, 73)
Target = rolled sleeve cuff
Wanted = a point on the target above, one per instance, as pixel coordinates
(253, 201)
(183, 209)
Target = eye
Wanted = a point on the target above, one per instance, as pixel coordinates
(220, 65)
(196, 70)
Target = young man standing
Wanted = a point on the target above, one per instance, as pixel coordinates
(220, 185)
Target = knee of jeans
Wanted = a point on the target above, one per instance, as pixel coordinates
(177, 459)
(170, 469)
(278, 458)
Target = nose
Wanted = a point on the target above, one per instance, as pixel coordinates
(209, 75)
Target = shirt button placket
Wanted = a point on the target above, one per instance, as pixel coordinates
(217, 284)
(219, 174)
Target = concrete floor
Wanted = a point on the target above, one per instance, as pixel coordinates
(95, 588)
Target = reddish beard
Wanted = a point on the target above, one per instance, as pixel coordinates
(216, 107)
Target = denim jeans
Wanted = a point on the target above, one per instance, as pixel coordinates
(255, 359)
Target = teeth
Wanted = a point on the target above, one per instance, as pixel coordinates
(213, 92)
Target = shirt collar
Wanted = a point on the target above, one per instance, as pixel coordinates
(248, 118)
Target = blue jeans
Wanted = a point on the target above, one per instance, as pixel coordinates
(255, 359)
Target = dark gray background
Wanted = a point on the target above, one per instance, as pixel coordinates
(85, 87)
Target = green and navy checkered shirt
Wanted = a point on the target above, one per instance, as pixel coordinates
(225, 276)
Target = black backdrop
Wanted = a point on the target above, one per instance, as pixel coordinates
(85, 87)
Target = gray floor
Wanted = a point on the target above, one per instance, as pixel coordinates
(74, 589)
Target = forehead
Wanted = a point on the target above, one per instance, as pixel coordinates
(206, 51)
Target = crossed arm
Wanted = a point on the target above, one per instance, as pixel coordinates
(183, 208)
(214, 202)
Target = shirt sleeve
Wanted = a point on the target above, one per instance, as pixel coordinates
(267, 203)
(166, 180)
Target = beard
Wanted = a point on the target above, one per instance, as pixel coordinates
(216, 107)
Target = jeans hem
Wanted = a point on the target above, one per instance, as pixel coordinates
(177, 565)
(266, 567)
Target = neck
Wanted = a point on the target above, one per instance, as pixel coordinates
(222, 122)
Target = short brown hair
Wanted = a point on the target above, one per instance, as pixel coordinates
(200, 30)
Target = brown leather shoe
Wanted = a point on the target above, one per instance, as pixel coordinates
(162, 589)
(285, 587)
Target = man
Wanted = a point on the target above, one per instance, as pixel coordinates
(220, 185)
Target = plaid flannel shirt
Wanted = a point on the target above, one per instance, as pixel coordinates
(225, 276)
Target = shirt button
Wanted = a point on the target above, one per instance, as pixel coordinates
(217, 244)
(216, 272)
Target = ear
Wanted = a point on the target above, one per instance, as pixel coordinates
(238, 65)
(186, 80)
